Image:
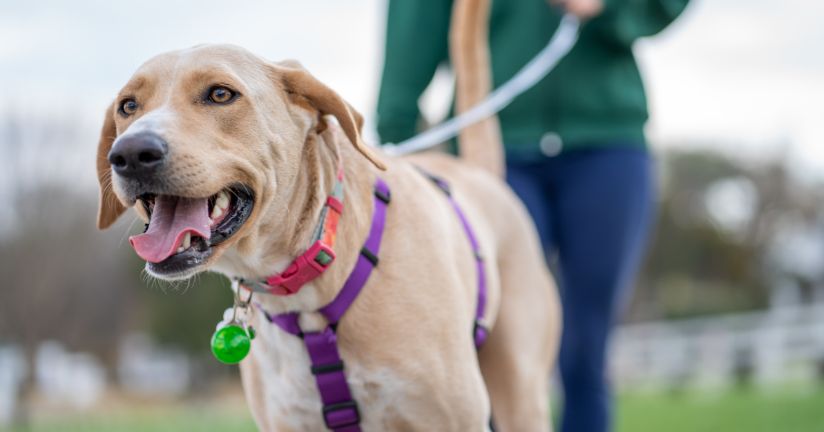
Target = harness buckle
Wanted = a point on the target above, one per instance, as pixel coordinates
(384, 196)
(303, 269)
(340, 415)
(327, 368)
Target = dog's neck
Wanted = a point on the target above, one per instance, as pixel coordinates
(299, 217)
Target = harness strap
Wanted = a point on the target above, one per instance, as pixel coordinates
(340, 411)
(479, 331)
(371, 247)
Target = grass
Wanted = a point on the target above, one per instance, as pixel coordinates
(155, 420)
(740, 410)
(734, 411)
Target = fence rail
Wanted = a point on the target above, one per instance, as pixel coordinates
(781, 345)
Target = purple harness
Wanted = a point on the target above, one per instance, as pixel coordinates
(340, 411)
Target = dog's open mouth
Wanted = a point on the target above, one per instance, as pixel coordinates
(183, 231)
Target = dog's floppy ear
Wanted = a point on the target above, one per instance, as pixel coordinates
(299, 82)
(110, 207)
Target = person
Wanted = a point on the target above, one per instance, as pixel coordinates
(576, 154)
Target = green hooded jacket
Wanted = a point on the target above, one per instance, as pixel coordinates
(594, 97)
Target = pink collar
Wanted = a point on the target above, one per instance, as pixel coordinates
(317, 258)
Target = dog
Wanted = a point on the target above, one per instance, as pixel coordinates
(229, 158)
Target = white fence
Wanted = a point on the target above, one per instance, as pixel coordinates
(78, 380)
(12, 369)
(783, 345)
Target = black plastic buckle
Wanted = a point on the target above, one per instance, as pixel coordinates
(331, 408)
(442, 185)
(386, 197)
(370, 256)
(327, 368)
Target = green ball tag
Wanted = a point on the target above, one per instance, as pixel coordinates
(230, 344)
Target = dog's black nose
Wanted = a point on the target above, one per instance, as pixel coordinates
(138, 155)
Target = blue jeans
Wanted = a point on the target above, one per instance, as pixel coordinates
(593, 208)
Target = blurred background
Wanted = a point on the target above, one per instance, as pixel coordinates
(725, 330)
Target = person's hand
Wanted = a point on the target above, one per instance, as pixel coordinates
(583, 9)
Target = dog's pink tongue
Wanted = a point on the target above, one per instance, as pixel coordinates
(171, 218)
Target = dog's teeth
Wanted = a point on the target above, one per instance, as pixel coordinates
(216, 212)
(222, 200)
(180, 249)
(187, 241)
(221, 204)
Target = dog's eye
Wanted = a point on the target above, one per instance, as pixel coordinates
(221, 95)
(128, 107)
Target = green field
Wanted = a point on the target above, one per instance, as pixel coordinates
(173, 418)
(784, 411)
(744, 411)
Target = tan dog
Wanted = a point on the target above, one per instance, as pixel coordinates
(195, 127)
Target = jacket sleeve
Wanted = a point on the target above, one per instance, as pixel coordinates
(624, 21)
(416, 43)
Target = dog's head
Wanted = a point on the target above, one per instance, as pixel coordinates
(204, 143)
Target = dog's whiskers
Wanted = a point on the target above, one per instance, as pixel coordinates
(128, 230)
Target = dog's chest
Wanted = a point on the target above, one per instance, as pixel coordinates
(286, 390)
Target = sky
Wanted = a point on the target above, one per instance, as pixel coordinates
(748, 75)
(745, 77)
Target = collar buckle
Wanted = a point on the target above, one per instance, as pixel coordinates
(303, 269)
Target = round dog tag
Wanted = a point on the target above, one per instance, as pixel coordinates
(230, 344)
